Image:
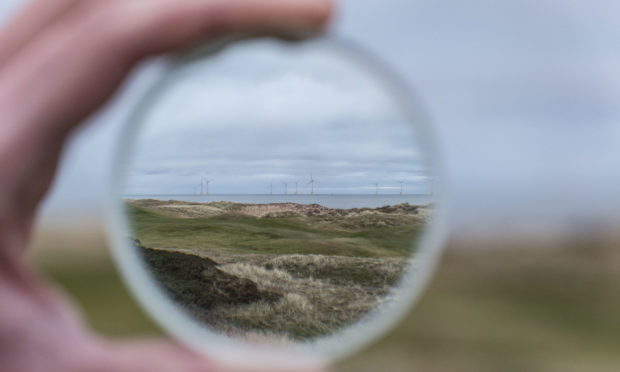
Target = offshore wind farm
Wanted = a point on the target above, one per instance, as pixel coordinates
(378, 195)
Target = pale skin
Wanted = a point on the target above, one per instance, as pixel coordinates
(60, 60)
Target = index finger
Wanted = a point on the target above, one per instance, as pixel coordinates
(68, 71)
(30, 21)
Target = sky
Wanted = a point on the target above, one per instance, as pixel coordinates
(292, 114)
(523, 97)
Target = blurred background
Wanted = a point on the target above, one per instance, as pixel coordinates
(524, 96)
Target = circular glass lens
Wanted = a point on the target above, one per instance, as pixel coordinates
(277, 198)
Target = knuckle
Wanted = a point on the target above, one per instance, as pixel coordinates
(105, 24)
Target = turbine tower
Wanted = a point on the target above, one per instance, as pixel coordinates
(271, 189)
(376, 188)
(296, 182)
(285, 188)
(312, 181)
(205, 182)
(401, 186)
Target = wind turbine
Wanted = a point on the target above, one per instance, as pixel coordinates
(296, 182)
(312, 181)
(401, 186)
(205, 182)
(376, 188)
(271, 189)
(285, 188)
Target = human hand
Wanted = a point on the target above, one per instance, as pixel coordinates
(59, 61)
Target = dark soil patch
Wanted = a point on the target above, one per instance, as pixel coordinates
(197, 283)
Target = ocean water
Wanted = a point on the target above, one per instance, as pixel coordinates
(329, 201)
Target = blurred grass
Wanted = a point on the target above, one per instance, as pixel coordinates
(79, 263)
(502, 306)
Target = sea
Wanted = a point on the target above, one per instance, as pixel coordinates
(338, 201)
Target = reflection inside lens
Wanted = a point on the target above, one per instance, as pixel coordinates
(276, 195)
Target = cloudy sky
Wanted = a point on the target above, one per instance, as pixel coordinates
(291, 113)
(523, 96)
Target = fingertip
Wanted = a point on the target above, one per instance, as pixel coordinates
(323, 12)
(310, 18)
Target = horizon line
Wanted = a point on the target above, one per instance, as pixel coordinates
(316, 194)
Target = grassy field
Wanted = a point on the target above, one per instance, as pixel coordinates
(525, 305)
(363, 234)
(276, 271)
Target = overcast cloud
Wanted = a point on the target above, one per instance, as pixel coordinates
(523, 94)
(290, 113)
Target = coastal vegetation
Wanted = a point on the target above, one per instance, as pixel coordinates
(277, 272)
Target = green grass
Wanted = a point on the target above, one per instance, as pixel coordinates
(533, 307)
(291, 235)
(322, 271)
(99, 292)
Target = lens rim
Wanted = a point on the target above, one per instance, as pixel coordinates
(326, 350)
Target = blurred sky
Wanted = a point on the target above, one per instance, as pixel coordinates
(524, 96)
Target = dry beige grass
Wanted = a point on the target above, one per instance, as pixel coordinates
(179, 209)
(310, 307)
